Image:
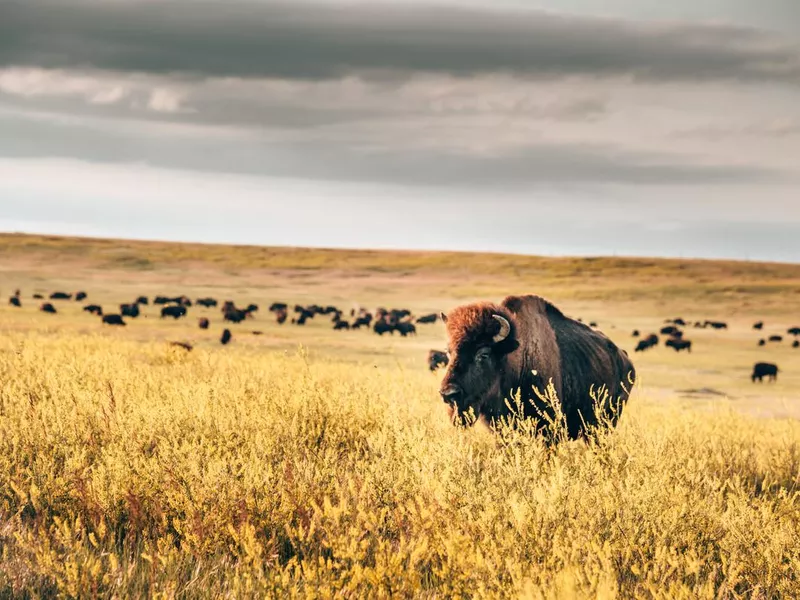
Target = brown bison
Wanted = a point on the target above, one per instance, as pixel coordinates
(775, 338)
(436, 359)
(795, 331)
(431, 318)
(113, 320)
(143, 300)
(80, 296)
(94, 309)
(176, 312)
(679, 344)
(651, 341)
(406, 328)
(761, 370)
(524, 344)
(280, 316)
(207, 302)
(758, 325)
(38, 297)
(226, 337)
(48, 308)
(15, 301)
(203, 323)
(635, 333)
(278, 306)
(670, 330)
(60, 296)
(129, 310)
(796, 344)
(338, 325)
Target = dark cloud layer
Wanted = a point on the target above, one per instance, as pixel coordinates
(545, 164)
(307, 41)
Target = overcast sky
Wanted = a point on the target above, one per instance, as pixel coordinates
(628, 127)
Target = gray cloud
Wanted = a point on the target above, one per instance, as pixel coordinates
(542, 164)
(311, 41)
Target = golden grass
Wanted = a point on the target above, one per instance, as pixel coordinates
(133, 470)
(130, 469)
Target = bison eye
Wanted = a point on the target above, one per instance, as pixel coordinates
(482, 355)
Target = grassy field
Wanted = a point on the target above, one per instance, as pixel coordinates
(312, 463)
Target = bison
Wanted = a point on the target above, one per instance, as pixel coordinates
(113, 320)
(226, 337)
(94, 309)
(436, 359)
(60, 296)
(762, 342)
(235, 315)
(716, 324)
(48, 308)
(795, 331)
(679, 344)
(278, 306)
(526, 343)
(431, 318)
(341, 325)
(15, 301)
(758, 325)
(129, 310)
(635, 333)
(670, 330)
(207, 302)
(381, 326)
(143, 300)
(762, 369)
(796, 344)
(775, 338)
(38, 297)
(176, 312)
(406, 328)
(651, 341)
(203, 323)
(281, 316)
(80, 296)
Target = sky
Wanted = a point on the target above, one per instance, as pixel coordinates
(555, 127)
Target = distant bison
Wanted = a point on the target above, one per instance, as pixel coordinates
(235, 315)
(670, 330)
(758, 325)
(523, 344)
(431, 318)
(651, 341)
(38, 297)
(775, 338)
(406, 328)
(15, 301)
(207, 302)
(226, 337)
(796, 344)
(48, 308)
(381, 326)
(276, 306)
(762, 342)
(338, 325)
(203, 323)
(60, 296)
(94, 309)
(80, 296)
(436, 359)
(175, 312)
(716, 324)
(113, 320)
(281, 316)
(142, 300)
(795, 331)
(635, 333)
(129, 310)
(679, 344)
(761, 370)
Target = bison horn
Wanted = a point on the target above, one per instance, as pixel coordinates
(505, 329)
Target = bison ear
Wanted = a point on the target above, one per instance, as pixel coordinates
(443, 317)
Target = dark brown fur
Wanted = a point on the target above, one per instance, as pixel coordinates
(543, 345)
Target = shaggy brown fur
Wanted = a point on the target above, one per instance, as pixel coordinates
(543, 345)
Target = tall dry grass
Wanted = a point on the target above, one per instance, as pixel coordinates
(135, 470)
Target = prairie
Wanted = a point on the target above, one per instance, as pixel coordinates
(307, 462)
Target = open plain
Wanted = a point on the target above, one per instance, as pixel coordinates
(309, 462)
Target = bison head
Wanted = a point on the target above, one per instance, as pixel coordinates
(479, 338)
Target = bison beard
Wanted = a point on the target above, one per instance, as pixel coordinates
(521, 345)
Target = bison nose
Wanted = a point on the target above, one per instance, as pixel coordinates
(451, 393)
